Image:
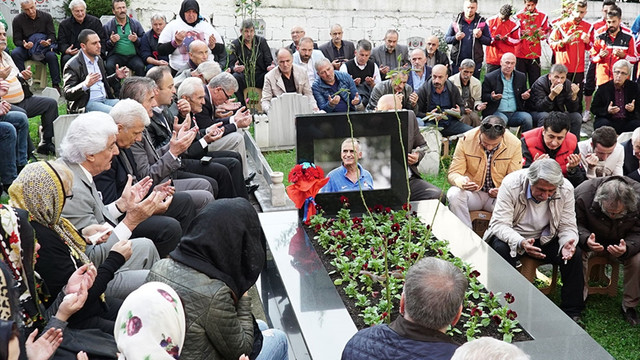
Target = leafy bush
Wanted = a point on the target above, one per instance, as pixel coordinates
(96, 8)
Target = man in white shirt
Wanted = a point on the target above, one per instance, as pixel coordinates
(307, 57)
(602, 155)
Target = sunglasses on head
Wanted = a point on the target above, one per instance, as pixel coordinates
(488, 126)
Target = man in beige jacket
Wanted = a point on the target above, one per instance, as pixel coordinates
(286, 77)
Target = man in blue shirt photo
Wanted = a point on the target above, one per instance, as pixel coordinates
(350, 176)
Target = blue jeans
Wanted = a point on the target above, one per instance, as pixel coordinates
(274, 343)
(517, 118)
(14, 133)
(103, 105)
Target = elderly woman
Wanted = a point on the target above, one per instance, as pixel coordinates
(151, 324)
(179, 33)
(213, 267)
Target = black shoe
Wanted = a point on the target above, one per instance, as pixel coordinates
(46, 149)
(630, 316)
(252, 188)
(578, 320)
(57, 87)
(250, 178)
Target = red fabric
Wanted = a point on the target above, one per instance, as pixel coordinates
(571, 54)
(604, 67)
(529, 24)
(508, 29)
(535, 144)
(305, 183)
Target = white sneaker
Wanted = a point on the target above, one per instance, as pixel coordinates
(586, 116)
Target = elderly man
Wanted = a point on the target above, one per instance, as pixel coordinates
(534, 25)
(602, 155)
(632, 156)
(249, 47)
(307, 57)
(363, 70)
(614, 103)
(471, 91)
(164, 228)
(35, 38)
(86, 84)
(123, 44)
(431, 301)
(87, 149)
(198, 55)
(337, 50)
(467, 34)
(420, 189)
(440, 93)
(505, 34)
(297, 34)
(46, 108)
(420, 71)
(488, 348)
(70, 28)
(483, 157)
(190, 25)
(149, 43)
(505, 92)
(14, 134)
(609, 225)
(396, 84)
(390, 55)
(286, 78)
(534, 216)
(569, 40)
(350, 176)
(434, 55)
(554, 92)
(326, 90)
(553, 140)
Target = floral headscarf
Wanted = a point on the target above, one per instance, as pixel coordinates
(150, 324)
(39, 190)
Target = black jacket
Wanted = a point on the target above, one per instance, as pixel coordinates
(606, 94)
(493, 82)
(631, 163)
(75, 72)
(69, 30)
(242, 54)
(424, 98)
(540, 101)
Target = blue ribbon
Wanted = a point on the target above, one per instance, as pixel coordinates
(309, 201)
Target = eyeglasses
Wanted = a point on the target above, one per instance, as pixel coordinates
(488, 126)
(225, 93)
(618, 72)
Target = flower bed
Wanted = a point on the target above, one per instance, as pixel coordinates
(367, 258)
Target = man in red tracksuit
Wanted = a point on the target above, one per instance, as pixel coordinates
(611, 46)
(534, 28)
(505, 35)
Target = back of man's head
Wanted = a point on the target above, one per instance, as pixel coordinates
(613, 193)
(493, 127)
(157, 73)
(189, 86)
(224, 80)
(557, 121)
(364, 44)
(208, 70)
(433, 293)
(605, 136)
(545, 169)
(486, 348)
(389, 102)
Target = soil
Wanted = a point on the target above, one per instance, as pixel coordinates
(354, 311)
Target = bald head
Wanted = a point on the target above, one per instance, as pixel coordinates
(198, 52)
(439, 76)
(507, 64)
(285, 61)
(389, 102)
(432, 44)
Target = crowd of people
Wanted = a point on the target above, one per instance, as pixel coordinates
(125, 213)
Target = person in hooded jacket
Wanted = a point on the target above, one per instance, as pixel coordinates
(174, 40)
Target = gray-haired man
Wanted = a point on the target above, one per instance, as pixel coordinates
(534, 216)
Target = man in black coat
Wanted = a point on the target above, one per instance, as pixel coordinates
(614, 103)
(505, 92)
(554, 92)
(69, 29)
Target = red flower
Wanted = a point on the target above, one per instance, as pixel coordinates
(384, 315)
(509, 298)
(511, 315)
(348, 252)
(473, 274)
(344, 200)
(365, 265)
(476, 311)
(375, 294)
(387, 210)
(356, 220)
(414, 255)
(406, 207)
(395, 227)
(378, 209)
(14, 239)
(496, 319)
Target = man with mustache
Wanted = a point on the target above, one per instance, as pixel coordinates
(123, 44)
(611, 46)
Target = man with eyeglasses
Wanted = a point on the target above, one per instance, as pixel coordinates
(614, 101)
(483, 157)
(338, 51)
(609, 226)
(434, 55)
(297, 33)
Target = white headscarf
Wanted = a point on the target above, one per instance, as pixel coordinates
(150, 324)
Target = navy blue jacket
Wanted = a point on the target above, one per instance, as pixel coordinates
(401, 339)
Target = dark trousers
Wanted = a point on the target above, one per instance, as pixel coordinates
(213, 171)
(622, 125)
(422, 190)
(40, 105)
(451, 127)
(232, 161)
(590, 82)
(64, 58)
(133, 62)
(531, 67)
(572, 302)
(20, 55)
(166, 230)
